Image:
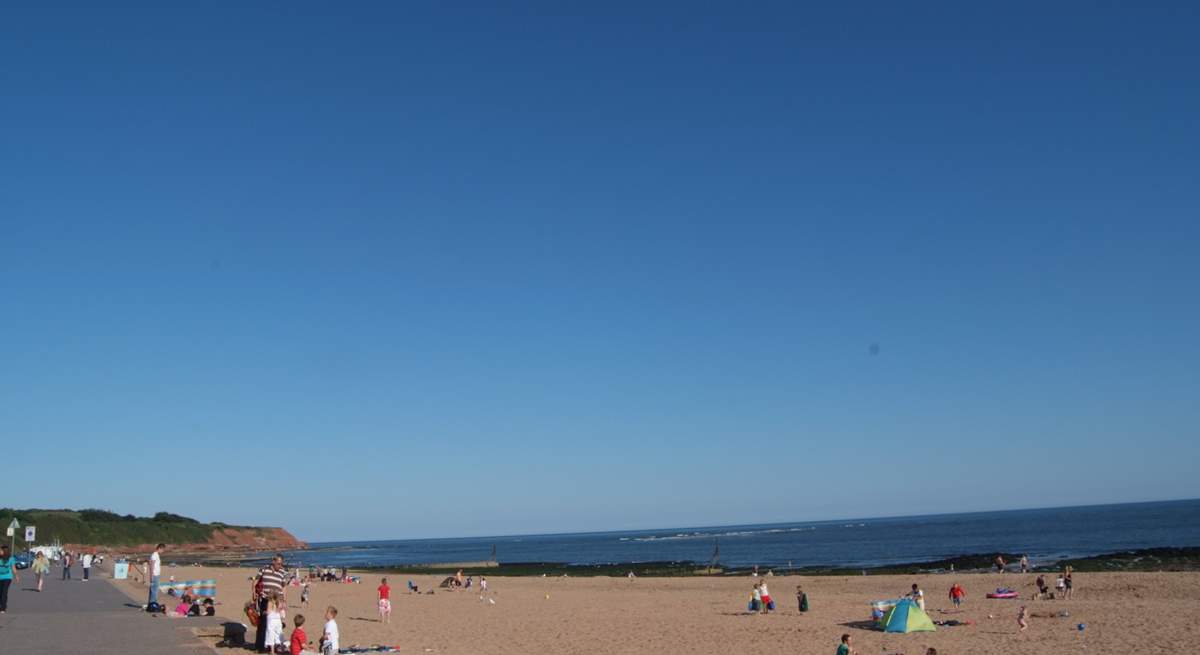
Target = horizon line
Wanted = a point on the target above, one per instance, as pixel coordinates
(765, 524)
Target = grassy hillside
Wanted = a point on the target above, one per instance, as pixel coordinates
(104, 528)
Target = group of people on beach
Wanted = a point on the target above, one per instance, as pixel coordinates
(762, 603)
(1063, 587)
(1002, 566)
(268, 612)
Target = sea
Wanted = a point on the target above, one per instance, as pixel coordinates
(1046, 535)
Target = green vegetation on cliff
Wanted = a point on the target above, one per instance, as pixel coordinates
(99, 527)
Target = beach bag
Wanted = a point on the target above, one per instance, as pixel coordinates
(804, 603)
(235, 635)
(750, 606)
(251, 610)
(771, 606)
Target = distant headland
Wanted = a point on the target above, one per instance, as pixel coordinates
(104, 529)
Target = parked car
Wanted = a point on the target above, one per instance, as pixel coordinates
(23, 560)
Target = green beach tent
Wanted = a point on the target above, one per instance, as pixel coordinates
(907, 617)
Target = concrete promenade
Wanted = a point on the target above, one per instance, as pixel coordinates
(92, 618)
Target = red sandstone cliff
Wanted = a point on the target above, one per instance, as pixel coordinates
(222, 540)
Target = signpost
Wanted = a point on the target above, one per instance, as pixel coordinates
(12, 534)
(30, 534)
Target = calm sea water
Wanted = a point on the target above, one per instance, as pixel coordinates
(1045, 534)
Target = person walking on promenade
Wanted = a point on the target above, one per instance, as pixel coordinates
(41, 567)
(270, 580)
(86, 563)
(153, 570)
(66, 565)
(8, 573)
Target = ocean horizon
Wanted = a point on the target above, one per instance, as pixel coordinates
(1045, 534)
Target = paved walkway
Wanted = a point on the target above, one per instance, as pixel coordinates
(91, 617)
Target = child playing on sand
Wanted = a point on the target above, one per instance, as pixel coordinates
(1023, 618)
(801, 599)
(329, 640)
(299, 639)
(756, 599)
(844, 647)
(274, 623)
(385, 602)
(956, 594)
(1061, 585)
(482, 586)
(768, 604)
(304, 594)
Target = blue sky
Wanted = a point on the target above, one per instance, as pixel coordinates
(437, 269)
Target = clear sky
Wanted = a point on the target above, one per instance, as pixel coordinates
(438, 269)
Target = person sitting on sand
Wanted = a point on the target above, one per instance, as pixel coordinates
(844, 647)
(181, 610)
(1023, 618)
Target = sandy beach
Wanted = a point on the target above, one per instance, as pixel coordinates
(1123, 613)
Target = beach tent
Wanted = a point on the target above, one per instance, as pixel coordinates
(907, 617)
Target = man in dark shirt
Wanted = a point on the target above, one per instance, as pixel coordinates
(271, 579)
